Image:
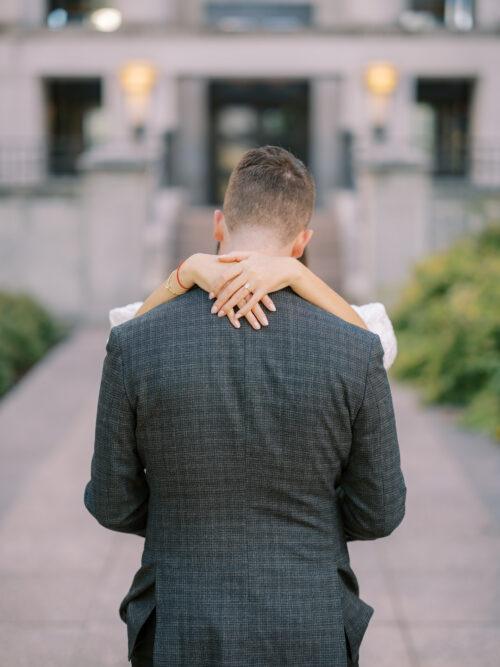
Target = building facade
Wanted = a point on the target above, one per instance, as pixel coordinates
(394, 105)
(233, 74)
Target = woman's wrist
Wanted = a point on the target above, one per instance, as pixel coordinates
(187, 272)
(296, 272)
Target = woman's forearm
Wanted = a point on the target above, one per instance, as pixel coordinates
(301, 279)
(158, 296)
(310, 287)
(161, 294)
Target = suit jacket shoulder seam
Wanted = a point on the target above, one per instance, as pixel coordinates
(366, 380)
(120, 356)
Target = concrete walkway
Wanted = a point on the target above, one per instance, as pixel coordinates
(435, 583)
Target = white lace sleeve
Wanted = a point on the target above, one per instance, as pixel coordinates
(123, 313)
(378, 321)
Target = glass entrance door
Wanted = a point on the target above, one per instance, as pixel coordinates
(246, 114)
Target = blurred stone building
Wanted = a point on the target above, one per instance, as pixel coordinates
(393, 104)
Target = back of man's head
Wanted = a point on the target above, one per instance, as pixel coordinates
(269, 189)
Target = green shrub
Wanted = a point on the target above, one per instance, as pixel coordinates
(27, 331)
(448, 328)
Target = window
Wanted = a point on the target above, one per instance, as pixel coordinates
(246, 16)
(457, 14)
(62, 12)
(448, 105)
(434, 8)
(69, 107)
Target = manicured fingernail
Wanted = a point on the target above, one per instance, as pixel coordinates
(237, 324)
(257, 326)
(272, 307)
(221, 313)
(214, 309)
(265, 321)
(211, 295)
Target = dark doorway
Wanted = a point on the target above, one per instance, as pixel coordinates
(245, 114)
(68, 102)
(450, 103)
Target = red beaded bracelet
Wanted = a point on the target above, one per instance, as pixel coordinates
(177, 275)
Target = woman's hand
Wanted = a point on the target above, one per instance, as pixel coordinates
(263, 273)
(211, 275)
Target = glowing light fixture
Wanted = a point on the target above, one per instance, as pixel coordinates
(381, 78)
(137, 79)
(106, 19)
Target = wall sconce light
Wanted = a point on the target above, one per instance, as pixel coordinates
(381, 79)
(137, 79)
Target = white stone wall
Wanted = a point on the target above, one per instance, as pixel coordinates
(361, 12)
(41, 249)
(488, 14)
(87, 246)
(147, 11)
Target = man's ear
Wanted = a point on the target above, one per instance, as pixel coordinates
(218, 225)
(301, 240)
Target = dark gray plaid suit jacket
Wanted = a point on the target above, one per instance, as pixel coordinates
(247, 459)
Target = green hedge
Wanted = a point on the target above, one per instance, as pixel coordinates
(448, 328)
(27, 331)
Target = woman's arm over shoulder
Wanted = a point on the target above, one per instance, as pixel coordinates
(378, 321)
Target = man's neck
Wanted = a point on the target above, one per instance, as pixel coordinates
(252, 244)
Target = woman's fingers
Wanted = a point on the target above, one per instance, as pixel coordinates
(250, 316)
(268, 303)
(236, 323)
(233, 257)
(234, 299)
(228, 274)
(232, 318)
(256, 297)
(253, 313)
(253, 320)
(227, 292)
(260, 315)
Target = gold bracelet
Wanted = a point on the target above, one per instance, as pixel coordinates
(167, 284)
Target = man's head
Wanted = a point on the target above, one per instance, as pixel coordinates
(268, 204)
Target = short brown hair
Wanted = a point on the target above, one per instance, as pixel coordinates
(270, 187)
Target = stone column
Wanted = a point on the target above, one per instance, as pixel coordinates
(191, 150)
(485, 132)
(117, 189)
(324, 134)
(391, 223)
